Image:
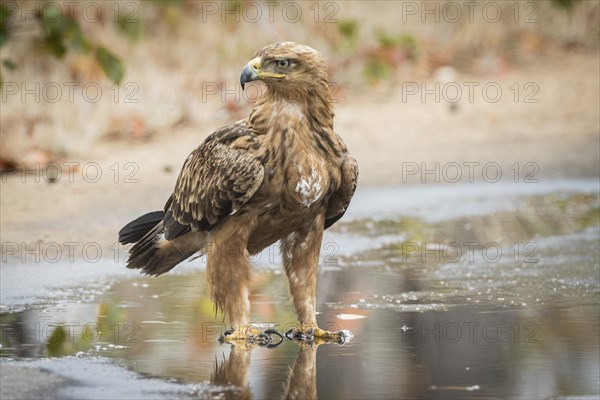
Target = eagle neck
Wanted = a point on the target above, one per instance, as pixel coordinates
(313, 104)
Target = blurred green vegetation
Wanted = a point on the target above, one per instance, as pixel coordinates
(565, 4)
(349, 29)
(64, 33)
(391, 51)
(61, 33)
(166, 49)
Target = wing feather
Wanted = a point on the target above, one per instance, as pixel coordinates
(340, 200)
(216, 180)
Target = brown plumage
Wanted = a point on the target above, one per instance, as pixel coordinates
(282, 174)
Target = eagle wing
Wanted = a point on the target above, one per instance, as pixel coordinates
(219, 177)
(340, 199)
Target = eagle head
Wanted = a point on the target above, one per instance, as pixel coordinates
(287, 66)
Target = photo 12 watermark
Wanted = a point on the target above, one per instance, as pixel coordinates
(71, 92)
(71, 332)
(452, 12)
(223, 92)
(73, 171)
(88, 11)
(52, 252)
(453, 252)
(471, 92)
(470, 332)
(270, 11)
(468, 171)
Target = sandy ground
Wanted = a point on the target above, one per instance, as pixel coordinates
(396, 137)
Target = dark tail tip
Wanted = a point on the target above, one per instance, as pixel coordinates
(135, 230)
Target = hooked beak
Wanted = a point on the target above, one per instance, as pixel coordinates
(250, 72)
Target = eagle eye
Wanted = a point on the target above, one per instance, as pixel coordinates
(283, 63)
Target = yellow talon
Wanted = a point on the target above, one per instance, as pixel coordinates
(313, 333)
(251, 334)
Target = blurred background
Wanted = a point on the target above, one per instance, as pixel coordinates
(480, 81)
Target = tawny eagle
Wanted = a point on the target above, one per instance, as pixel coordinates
(281, 174)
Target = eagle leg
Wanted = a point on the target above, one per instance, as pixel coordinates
(228, 278)
(300, 253)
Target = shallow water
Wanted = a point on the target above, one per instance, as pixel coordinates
(495, 302)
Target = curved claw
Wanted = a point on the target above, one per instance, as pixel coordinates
(263, 339)
(345, 336)
(294, 334)
(319, 336)
(270, 332)
(226, 333)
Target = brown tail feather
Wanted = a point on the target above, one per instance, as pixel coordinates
(152, 253)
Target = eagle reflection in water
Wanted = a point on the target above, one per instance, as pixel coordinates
(301, 381)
